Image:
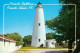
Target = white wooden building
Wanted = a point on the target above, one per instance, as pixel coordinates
(7, 45)
(50, 43)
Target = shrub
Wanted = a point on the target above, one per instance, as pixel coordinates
(41, 45)
(65, 45)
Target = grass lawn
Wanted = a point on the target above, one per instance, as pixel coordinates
(40, 48)
(28, 48)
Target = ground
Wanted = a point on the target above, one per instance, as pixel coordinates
(41, 50)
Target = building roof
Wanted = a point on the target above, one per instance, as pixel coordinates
(7, 38)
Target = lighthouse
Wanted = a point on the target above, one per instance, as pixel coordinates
(38, 35)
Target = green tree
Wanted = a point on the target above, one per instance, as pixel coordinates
(64, 24)
(77, 3)
(50, 35)
(27, 40)
(16, 37)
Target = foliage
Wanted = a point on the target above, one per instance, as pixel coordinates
(65, 45)
(77, 3)
(27, 40)
(50, 35)
(61, 45)
(64, 24)
(16, 37)
(41, 45)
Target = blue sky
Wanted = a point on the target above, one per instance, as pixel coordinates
(21, 21)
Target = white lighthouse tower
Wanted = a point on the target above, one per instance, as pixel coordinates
(38, 36)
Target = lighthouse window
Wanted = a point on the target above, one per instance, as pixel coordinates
(39, 40)
(39, 24)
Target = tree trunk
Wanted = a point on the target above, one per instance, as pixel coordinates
(77, 50)
(70, 46)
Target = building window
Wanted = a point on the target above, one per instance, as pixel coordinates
(39, 40)
(39, 24)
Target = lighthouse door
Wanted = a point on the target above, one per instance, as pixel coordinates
(46, 44)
